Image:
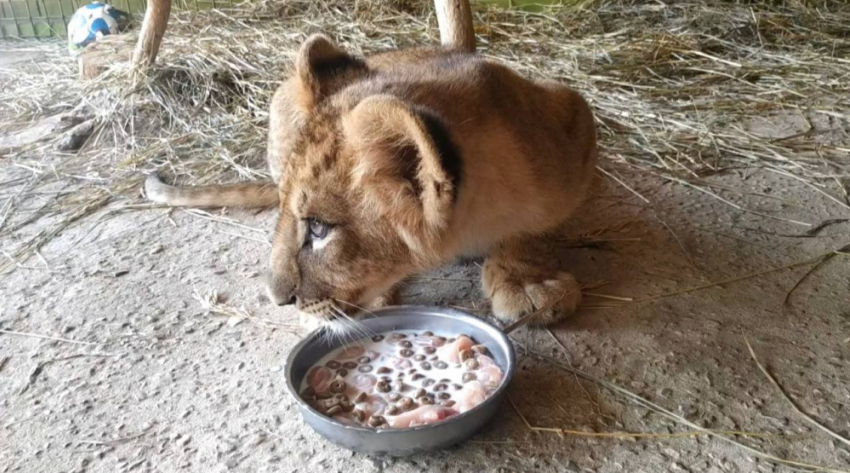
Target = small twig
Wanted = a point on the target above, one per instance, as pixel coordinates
(826, 223)
(208, 216)
(115, 441)
(524, 420)
(814, 188)
(40, 367)
(258, 240)
(736, 238)
(555, 402)
(732, 204)
(740, 278)
(809, 273)
(623, 184)
(570, 362)
(580, 433)
(21, 421)
(714, 58)
(679, 242)
(813, 232)
(212, 303)
(791, 401)
(45, 337)
(606, 296)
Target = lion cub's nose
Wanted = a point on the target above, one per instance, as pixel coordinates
(279, 299)
(279, 292)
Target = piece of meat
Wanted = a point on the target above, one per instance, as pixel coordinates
(472, 394)
(422, 415)
(484, 360)
(451, 352)
(489, 375)
(319, 378)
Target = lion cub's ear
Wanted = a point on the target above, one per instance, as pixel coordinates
(322, 68)
(406, 164)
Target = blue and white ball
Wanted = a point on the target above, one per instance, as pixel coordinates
(92, 22)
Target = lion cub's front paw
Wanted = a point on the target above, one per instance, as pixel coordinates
(553, 296)
(387, 299)
(380, 302)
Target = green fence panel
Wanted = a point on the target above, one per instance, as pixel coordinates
(49, 18)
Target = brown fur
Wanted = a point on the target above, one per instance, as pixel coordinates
(414, 158)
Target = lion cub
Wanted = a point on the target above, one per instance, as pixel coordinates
(394, 164)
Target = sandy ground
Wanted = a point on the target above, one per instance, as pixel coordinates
(145, 378)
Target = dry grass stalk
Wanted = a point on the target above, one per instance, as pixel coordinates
(793, 404)
(817, 259)
(820, 262)
(213, 303)
(45, 337)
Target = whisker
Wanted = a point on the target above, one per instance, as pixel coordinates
(339, 329)
(357, 307)
(361, 330)
(326, 337)
(349, 332)
(327, 332)
(364, 334)
(342, 327)
(343, 313)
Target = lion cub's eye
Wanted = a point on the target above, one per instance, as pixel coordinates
(318, 229)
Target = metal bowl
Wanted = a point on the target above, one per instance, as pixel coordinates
(401, 442)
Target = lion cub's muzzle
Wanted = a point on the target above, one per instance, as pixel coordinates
(325, 309)
(280, 292)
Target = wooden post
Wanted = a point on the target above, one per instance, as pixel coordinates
(150, 36)
(455, 20)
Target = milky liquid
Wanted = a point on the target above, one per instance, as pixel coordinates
(415, 380)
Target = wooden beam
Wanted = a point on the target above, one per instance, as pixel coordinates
(153, 29)
(455, 20)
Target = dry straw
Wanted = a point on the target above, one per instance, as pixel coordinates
(676, 89)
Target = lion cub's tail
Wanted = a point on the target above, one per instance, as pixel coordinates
(249, 194)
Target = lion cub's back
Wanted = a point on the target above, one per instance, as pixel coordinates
(544, 126)
(528, 148)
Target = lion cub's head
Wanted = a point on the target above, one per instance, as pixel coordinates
(367, 185)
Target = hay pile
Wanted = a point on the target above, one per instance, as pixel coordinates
(676, 89)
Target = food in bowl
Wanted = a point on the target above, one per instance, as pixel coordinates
(401, 379)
